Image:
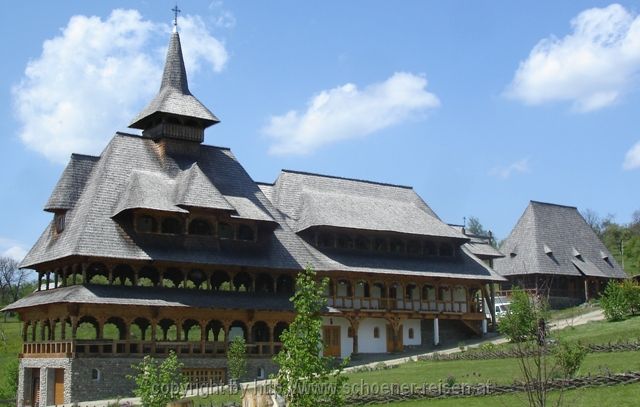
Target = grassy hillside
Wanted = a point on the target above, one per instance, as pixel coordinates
(10, 346)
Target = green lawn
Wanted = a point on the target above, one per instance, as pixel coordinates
(603, 331)
(502, 371)
(619, 396)
(10, 346)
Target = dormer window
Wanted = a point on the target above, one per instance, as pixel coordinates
(547, 250)
(200, 227)
(59, 221)
(345, 242)
(171, 226)
(446, 249)
(225, 230)
(146, 224)
(430, 249)
(245, 232)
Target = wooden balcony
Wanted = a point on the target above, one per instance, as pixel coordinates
(399, 304)
(109, 348)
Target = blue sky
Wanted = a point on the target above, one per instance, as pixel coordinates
(480, 106)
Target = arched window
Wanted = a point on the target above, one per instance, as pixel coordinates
(376, 332)
(260, 374)
(225, 230)
(59, 220)
(171, 226)
(200, 227)
(146, 224)
(410, 333)
(245, 232)
(95, 375)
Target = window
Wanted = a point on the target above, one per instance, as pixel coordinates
(446, 249)
(430, 249)
(245, 232)
(225, 230)
(376, 332)
(59, 220)
(171, 226)
(260, 373)
(200, 227)
(326, 240)
(146, 224)
(380, 245)
(413, 248)
(345, 242)
(95, 375)
(397, 246)
(410, 333)
(362, 243)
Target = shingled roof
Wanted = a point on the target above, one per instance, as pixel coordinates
(135, 172)
(150, 296)
(555, 240)
(309, 200)
(174, 96)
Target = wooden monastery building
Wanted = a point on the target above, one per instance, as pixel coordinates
(553, 252)
(163, 243)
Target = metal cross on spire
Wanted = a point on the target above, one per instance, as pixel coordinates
(175, 10)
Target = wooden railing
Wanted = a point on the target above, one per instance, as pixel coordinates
(101, 347)
(399, 304)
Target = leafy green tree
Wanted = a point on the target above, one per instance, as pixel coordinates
(158, 383)
(306, 378)
(569, 357)
(237, 359)
(474, 226)
(614, 302)
(10, 386)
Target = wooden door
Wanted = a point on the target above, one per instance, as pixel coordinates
(394, 346)
(331, 338)
(390, 344)
(58, 389)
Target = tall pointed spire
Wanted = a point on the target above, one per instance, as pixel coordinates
(174, 112)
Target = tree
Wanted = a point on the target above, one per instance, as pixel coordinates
(474, 227)
(306, 378)
(237, 359)
(12, 279)
(525, 324)
(159, 383)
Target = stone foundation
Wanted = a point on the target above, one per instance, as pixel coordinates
(109, 380)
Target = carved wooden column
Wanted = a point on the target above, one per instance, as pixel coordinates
(355, 324)
(74, 326)
(39, 281)
(203, 335)
(110, 274)
(85, 266)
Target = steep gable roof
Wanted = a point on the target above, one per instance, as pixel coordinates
(310, 200)
(71, 183)
(555, 239)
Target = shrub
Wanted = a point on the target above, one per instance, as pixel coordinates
(631, 293)
(614, 302)
(569, 357)
(159, 383)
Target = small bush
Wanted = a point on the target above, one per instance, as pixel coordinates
(157, 383)
(569, 356)
(620, 300)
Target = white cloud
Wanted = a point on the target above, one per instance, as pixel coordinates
(92, 79)
(592, 67)
(632, 158)
(505, 172)
(346, 112)
(11, 248)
